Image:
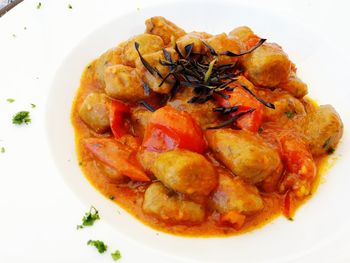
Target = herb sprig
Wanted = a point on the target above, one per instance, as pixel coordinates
(89, 218)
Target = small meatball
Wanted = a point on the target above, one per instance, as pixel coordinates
(221, 43)
(139, 119)
(94, 111)
(267, 66)
(244, 153)
(195, 38)
(153, 80)
(161, 203)
(286, 107)
(110, 57)
(242, 33)
(234, 194)
(323, 130)
(294, 86)
(123, 83)
(202, 113)
(162, 27)
(185, 172)
(148, 44)
(147, 158)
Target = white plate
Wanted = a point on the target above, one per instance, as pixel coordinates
(320, 227)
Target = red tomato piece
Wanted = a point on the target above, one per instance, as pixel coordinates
(117, 118)
(169, 128)
(240, 97)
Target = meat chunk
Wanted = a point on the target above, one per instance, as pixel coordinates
(185, 172)
(286, 106)
(295, 86)
(110, 57)
(139, 119)
(162, 27)
(154, 80)
(267, 66)
(221, 43)
(148, 44)
(323, 130)
(202, 113)
(159, 202)
(234, 194)
(242, 34)
(244, 153)
(94, 111)
(123, 83)
(194, 38)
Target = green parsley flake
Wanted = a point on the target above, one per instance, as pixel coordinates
(21, 117)
(290, 114)
(116, 255)
(89, 218)
(111, 197)
(32, 105)
(10, 100)
(38, 6)
(2, 149)
(70, 6)
(101, 247)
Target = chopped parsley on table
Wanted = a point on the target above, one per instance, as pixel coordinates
(290, 114)
(70, 6)
(101, 247)
(116, 255)
(38, 6)
(21, 117)
(32, 105)
(10, 100)
(89, 218)
(2, 150)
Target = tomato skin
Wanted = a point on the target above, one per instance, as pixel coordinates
(116, 118)
(169, 129)
(245, 101)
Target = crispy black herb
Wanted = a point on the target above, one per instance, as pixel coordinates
(101, 247)
(211, 49)
(21, 117)
(267, 104)
(231, 54)
(224, 110)
(231, 120)
(150, 69)
(89, 218)
(147, 106)
(188, 50)
(116, 255)
(146, 88)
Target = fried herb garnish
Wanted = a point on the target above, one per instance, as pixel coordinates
(146, 88)
(267, 104)
(147, 106)
(231, 54)
(231, 120)
(150, 69)
(290, 114)
(201, 73)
